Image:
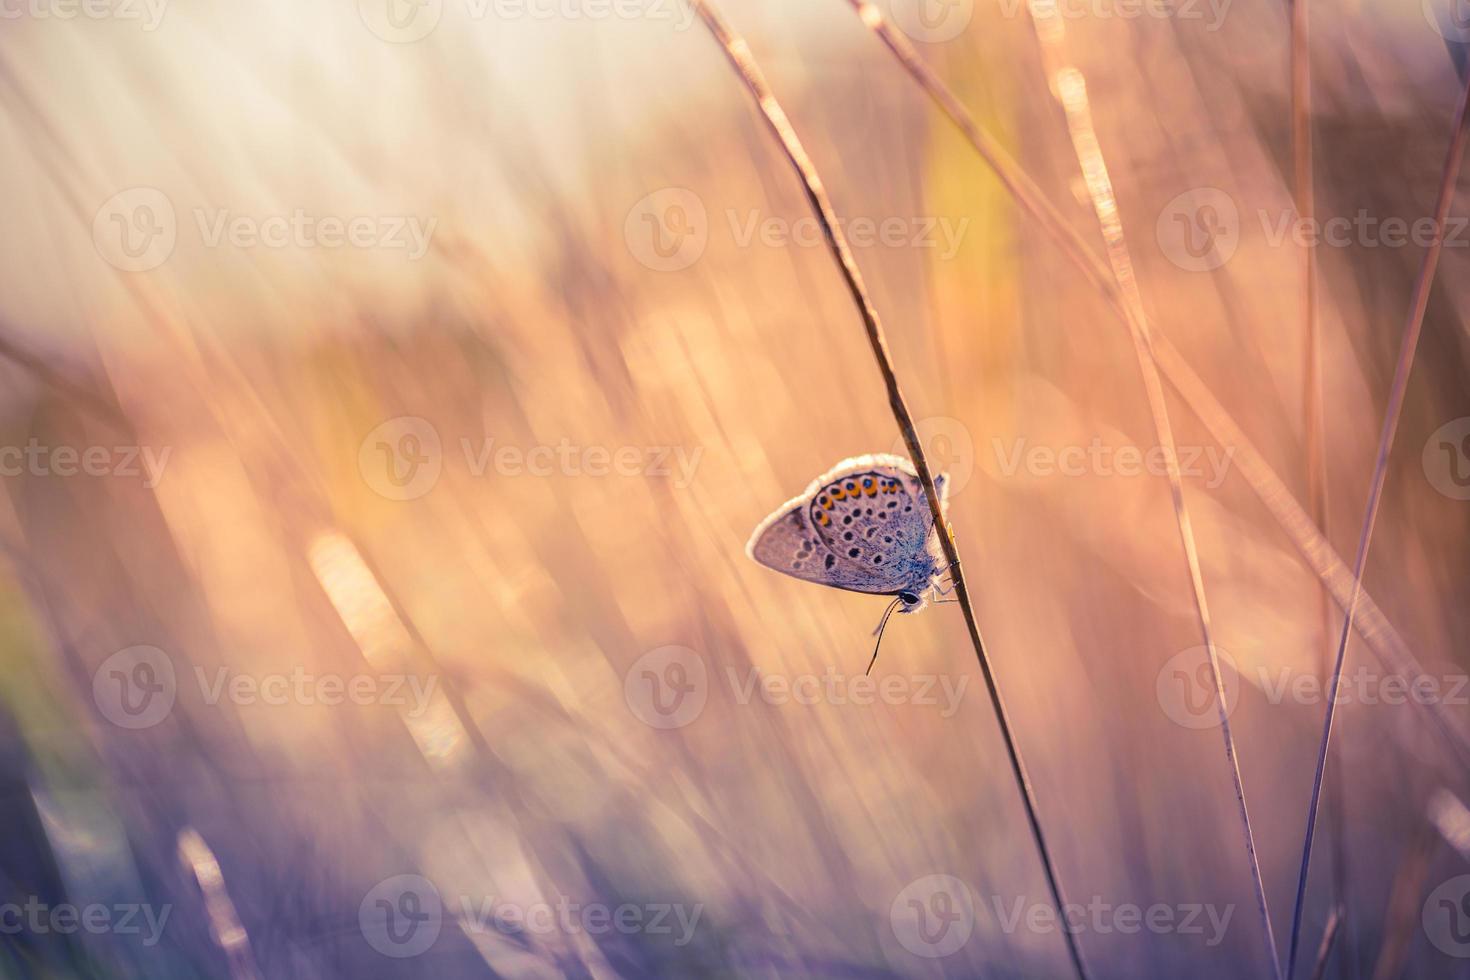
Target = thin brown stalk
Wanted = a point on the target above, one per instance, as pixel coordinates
(1269, 488)
(1397, 392)
(1329, 941)
(737, 52)
(1070, 89)
(1305, 192)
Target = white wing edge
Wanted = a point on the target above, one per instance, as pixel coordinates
(776, 515)
(853, 464)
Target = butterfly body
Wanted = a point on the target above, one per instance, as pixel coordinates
(864, 526)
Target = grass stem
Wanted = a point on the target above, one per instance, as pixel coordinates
(738, 53)
(1398, 390)
(1268, 487)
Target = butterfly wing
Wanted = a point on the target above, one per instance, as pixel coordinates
(787, 542)
(861, 526)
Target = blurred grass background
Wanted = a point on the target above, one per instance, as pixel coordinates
(268, 546)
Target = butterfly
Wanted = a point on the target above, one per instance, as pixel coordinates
(864, 526)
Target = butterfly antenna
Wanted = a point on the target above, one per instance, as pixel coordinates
(882, 625)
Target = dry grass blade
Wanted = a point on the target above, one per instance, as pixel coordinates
(1305, 193)
(1329, 942)
(1268, 487)
(224, 922)
(1398, 390)
(1070, 88)
(1401, 917)
(739, 55)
